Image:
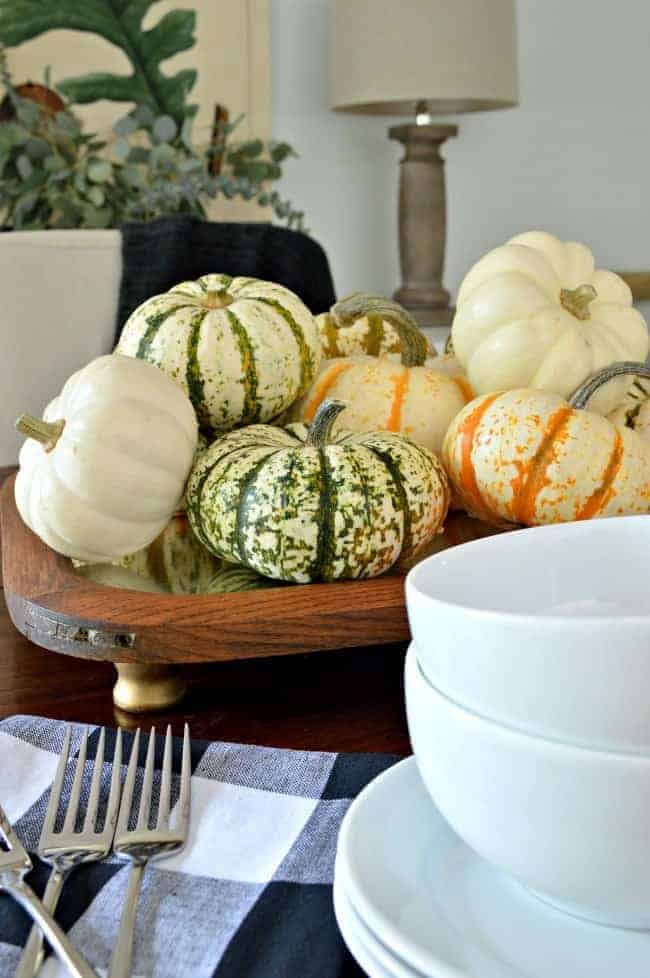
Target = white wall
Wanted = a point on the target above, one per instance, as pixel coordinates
(574, 158)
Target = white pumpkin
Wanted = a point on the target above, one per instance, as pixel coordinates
(536, 313)
(103, 473)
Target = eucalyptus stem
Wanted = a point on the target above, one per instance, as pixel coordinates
(47, 432)
(415, 348)
(321, 427)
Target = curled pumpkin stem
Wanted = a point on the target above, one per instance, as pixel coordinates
(580, 397)
(320, 429)
(415, 348)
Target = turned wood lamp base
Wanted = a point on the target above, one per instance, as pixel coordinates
(422, 222)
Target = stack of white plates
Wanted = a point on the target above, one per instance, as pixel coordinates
(413, 901)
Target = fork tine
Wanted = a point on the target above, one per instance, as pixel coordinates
(114, 790)
(147, 784)
(95, 785)
(57, 785)
(166, 783)
(127, 791)
(75, 794)
(186, 777)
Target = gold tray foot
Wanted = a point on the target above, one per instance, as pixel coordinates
(144, 688)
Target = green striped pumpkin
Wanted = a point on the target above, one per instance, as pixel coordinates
(298, 504)
(371, 334)
(242, 349)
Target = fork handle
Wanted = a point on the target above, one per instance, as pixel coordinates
(61, 944)
(120, 966)
(32, 956)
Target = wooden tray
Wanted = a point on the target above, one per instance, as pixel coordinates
(145, 634)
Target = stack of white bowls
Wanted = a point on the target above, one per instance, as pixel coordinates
(528, 701)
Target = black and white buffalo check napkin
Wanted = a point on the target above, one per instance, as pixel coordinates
(251, 894)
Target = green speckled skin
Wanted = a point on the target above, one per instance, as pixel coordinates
(243, 363)
(295, 512)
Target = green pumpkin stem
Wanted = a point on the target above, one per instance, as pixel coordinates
(415, 348)
(586, 390)
(321, 427)
(576, 301)
(47, 432)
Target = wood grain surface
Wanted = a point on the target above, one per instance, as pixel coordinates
(70, 614)
(321, 701)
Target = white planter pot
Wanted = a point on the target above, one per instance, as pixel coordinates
(59, 293)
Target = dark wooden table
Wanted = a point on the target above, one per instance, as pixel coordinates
(349, 700)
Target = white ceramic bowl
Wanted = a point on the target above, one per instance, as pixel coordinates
(546, 630)
(571, 824)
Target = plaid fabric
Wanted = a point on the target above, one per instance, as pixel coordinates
(251, 894)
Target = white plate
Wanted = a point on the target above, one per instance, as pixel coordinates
(363, 947)
(446, 913)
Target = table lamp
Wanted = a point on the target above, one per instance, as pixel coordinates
(422, 58)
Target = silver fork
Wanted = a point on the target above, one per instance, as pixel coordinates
(142, 843)
(14, 864)
(66, 849)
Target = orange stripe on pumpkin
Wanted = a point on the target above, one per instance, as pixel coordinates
(532, 476)
(323, 386)
(466, 434)
(464, 388)
(602, 495)
(400, 385)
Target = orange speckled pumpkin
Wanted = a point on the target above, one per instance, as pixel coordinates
(412, 398)
(529, 457)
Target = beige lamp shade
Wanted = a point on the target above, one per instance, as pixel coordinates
(456, 55)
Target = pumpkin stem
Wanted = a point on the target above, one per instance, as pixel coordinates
(217, 299)
(580, 398)
(47, 432)
(415, 348)
(576, 301)
(321, 427)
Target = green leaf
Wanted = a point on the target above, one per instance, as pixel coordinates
(252, 148)
(95, 217)
(65, 125)
(125, 126)
(54, 163)
(162, 155)
(121, 149)
(120, 23)
(27, 112)
(12, 134)
(281, 151)
(24, 167)
(96, 196)
(186, 132)
(132, 176)
(164, 129)
(24, 205)
(37, 149)
(99, 171)
(144, 116)
(139, 154)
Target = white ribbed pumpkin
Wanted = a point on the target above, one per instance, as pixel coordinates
(536, 313)
(103, 473)
(242, 349)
